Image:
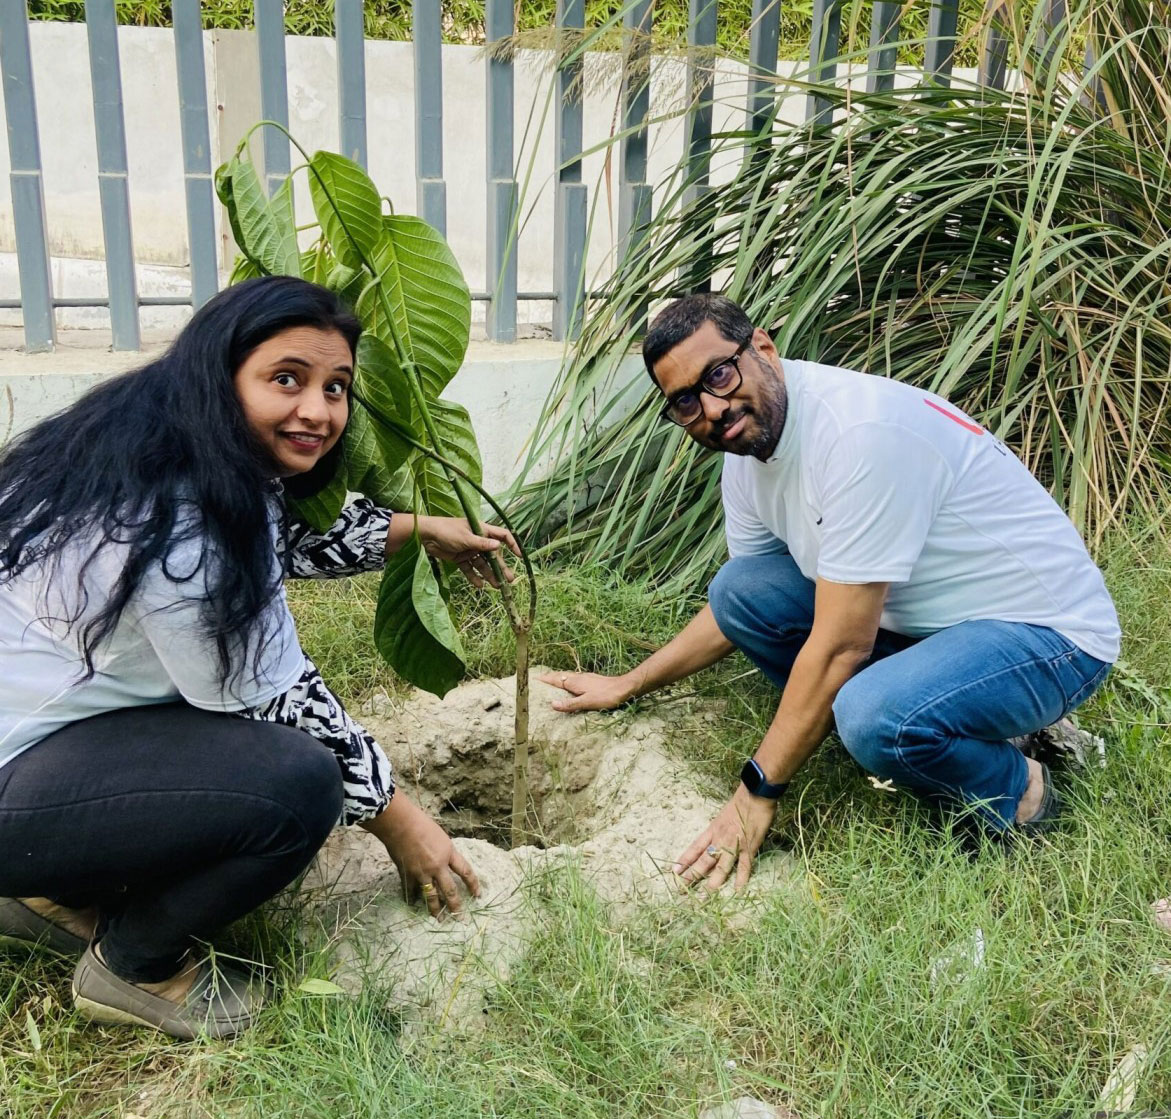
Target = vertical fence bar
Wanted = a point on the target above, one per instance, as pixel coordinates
(941, 40)
(881, 59)
(701, 77)
(634, 192)
(762, 64)
(196, 150)
(502, 194)
(570, 202)
(28, 197)
(1052, 33)
(113, 183)
(994, 54)
(430, 189)
(993, 59)
(823, 49)
(351, 78)
(274, 89)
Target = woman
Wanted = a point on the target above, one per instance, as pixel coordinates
(162, 760)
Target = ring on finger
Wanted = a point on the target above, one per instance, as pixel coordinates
(712, 851)
(428, 889)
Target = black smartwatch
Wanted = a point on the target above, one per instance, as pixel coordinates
(754, 781)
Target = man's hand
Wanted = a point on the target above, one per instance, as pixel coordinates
(730, 841)
(451, 539)
(589, 691)
(424, 855)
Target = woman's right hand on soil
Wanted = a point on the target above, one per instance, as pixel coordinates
(589, 691)
(426, 858)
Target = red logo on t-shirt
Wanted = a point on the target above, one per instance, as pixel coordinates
(975, 429)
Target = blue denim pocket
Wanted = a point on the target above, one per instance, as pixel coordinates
(1081, 675)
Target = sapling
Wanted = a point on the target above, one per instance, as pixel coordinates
(405, 446)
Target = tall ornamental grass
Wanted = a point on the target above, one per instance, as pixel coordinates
(1008, 250)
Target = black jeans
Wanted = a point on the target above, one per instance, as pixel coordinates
(173, 821)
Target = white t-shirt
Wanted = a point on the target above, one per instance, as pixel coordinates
(158, 652)
(876, 481)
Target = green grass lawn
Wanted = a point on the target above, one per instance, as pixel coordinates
(822, 998)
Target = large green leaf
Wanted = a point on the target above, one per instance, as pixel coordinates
(347, 283)
(413, 629)
(324, 507)
(360, 449)
(395, 489)
(383, 384)
(421, 298)
(347, 206)
(264, 229)
(458, 446)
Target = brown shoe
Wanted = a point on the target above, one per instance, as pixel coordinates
(21, 927)
(223, 1001)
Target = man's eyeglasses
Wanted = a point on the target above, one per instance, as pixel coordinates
(722, 379)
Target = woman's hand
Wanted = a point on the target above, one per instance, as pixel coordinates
(424, 855)
(452, 539)
(589, 691)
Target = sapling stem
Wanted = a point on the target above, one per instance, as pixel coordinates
(521, 627)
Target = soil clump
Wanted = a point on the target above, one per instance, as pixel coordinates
(604, 796)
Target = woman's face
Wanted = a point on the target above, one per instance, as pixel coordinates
(294, 389)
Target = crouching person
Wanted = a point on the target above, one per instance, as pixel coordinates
(894, 569)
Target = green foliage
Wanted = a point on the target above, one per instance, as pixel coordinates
(1008, 251)
(463, 20)
(819, 992)
(415, 307)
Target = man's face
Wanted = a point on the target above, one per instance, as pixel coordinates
(750, 420)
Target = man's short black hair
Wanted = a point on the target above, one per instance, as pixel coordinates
(679, 321)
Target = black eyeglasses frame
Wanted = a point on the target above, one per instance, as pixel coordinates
(701, 386)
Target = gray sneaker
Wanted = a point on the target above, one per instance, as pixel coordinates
(1063, 741)
(223, 1001)
(21, 927)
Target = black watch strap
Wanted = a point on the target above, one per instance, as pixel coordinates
(754, 781)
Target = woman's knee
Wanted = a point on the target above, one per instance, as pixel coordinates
(304, 782)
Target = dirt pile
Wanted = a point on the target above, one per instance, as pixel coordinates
(604, 794)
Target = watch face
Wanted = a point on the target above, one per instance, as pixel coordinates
(752, 776)
(753, 779)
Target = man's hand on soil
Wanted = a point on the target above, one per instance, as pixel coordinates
(588, 691)
(729, 842)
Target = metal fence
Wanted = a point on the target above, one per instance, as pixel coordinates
(571, 201)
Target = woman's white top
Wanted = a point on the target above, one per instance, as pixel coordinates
(159, 650)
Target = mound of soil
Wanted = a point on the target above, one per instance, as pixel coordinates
(604, 796)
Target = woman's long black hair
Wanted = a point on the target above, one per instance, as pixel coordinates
(162, 456)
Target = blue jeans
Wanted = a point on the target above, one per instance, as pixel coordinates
(932, 714)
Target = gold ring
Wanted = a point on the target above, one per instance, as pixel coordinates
(428, 889)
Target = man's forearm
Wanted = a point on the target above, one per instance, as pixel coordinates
(698, 645)
(805, 713)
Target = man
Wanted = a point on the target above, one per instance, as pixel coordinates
(893, 568)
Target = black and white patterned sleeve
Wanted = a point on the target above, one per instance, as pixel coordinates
(309, 705)
(353, 544)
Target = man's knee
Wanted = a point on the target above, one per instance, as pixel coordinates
(864, 725)
(730, 593)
